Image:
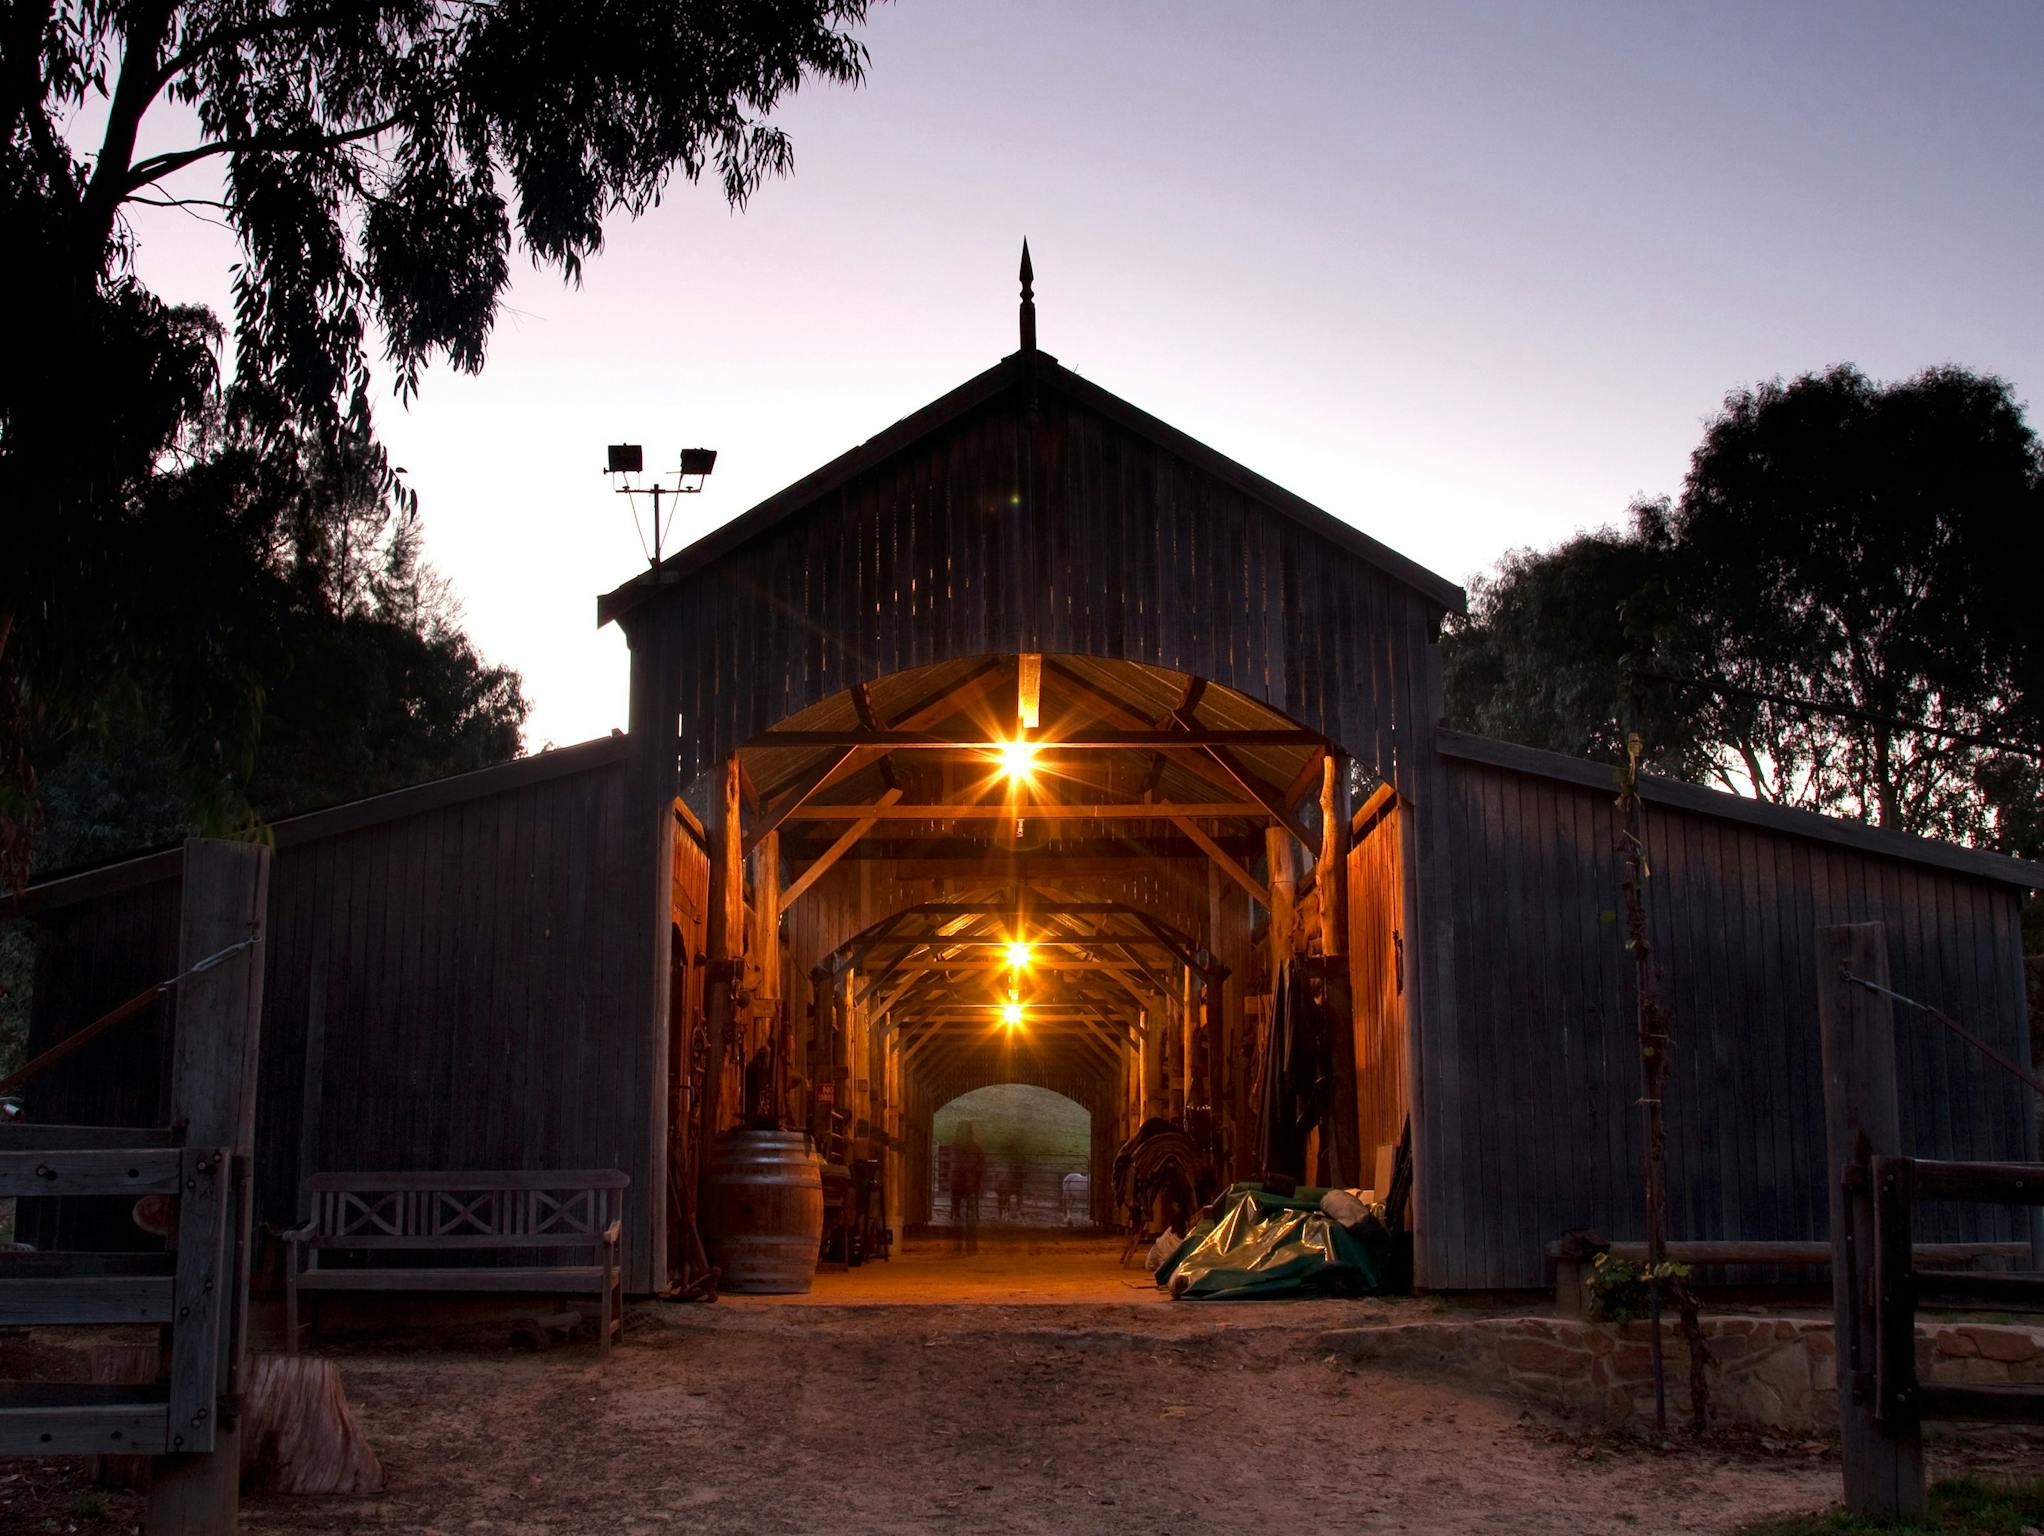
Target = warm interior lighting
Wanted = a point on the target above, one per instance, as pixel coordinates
(1018, 955)
(1011, 1014)
(1018, 759)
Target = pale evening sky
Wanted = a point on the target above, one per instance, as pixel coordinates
(1468, 276)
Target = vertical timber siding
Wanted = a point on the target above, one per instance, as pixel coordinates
(440, 992)
(1533, 1119)
(1379, 979)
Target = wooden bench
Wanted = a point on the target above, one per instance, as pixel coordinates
(1574, 1258)
(376, 1214)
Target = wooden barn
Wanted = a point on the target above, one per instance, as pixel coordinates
(1032, 668)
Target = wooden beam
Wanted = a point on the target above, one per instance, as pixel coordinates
(888, 810)
(1270, 799)
(924, 711)
(1028, 689)
(1372, 805)
(815, 872)
(808, 785)
(1228, 866)
(1080, 741)
(862, 704)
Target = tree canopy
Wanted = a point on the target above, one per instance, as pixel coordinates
(379, 163)
(1831, 615)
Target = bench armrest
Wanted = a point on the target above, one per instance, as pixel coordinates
(301, 1234)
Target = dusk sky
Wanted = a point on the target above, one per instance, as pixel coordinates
(1469, 277)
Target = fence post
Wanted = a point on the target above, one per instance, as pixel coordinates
(1883, 1463)
(224, 900)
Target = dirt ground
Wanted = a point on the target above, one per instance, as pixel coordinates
(935, 1394)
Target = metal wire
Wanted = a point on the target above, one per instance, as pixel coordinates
(1950, 1023)
(113, 1016)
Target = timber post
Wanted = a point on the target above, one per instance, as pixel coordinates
(726, 943)
(645, 913)
(1331, 884)
(1883, 1463)
(766, 946)
(224, 902)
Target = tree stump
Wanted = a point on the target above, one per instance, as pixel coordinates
(298, 1435)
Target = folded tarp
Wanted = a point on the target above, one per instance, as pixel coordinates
(1256, 1246)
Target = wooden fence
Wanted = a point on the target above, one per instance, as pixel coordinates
(187, 1421)
(1877, 1285)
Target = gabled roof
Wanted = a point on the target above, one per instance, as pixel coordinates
(1013, 372)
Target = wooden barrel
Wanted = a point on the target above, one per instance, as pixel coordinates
(763, 1211)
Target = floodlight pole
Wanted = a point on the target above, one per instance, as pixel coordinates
(694, 461)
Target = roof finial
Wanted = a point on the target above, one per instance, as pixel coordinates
(1028, 301)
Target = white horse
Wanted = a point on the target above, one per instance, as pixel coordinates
(1074, 1194)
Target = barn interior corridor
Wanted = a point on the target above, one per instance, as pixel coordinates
(1008, 939)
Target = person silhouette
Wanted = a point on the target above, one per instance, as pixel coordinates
(968, 1178)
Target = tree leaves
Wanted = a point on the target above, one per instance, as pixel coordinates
(1831, 616)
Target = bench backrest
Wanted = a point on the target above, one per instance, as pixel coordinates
(540, 1208)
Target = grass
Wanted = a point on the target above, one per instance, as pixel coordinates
(1959, 1506)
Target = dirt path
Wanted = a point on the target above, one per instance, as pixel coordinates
(935, 1394)
(988, 1418)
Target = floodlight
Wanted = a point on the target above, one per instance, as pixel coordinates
(627, 459)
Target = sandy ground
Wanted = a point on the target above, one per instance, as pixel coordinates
(927, 1395)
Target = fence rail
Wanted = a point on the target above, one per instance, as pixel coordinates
(1878, 1282)
(1901, 1402)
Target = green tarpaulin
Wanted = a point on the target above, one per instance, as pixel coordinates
(1256, 1246)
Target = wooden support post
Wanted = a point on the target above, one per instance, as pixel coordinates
(847, 1070)
(1284, 884)
(1156, 1099)
(1883, 1463)
(764, 947)
(641, 909)
(1345, 1156)
(725, 942)
(224, 901)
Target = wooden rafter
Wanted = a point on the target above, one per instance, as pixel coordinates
(888, 810)
(1226, 865)
(1078, 741)
(833, 767)
(837, 850)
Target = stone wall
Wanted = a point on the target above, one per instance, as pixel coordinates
(1770, 1373)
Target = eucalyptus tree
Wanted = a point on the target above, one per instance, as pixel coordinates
(379, 165)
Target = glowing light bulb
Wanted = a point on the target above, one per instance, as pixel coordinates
(1018, 759)
(1011, 1014)
(1018, 955)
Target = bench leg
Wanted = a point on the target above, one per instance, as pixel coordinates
(291, 1314)
(1569, 1297)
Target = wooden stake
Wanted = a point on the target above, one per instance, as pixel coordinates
(725, 942)
(1883, 1464)
(224, 900)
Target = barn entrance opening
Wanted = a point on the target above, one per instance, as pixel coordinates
(1021, 1154)
(1082, 879)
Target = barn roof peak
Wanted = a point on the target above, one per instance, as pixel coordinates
(1028, 316)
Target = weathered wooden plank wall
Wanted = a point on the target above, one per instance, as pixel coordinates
(1071, 535)
(1377, 983)
(1536, 1129)
(440, 993)
(89, 958)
